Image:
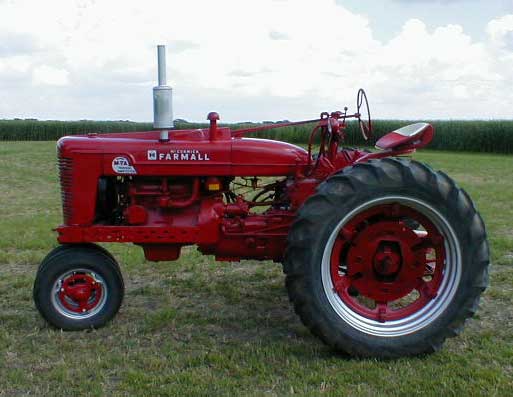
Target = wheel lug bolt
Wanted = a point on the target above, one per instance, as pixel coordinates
(62, 289)
(84, 310)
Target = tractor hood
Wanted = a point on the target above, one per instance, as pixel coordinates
(188, 152)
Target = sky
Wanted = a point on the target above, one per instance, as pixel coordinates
(255, 60)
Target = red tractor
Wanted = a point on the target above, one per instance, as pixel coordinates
(383, 256)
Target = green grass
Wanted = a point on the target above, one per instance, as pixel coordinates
(198, 327)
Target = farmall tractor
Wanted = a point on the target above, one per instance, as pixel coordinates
(383, 256)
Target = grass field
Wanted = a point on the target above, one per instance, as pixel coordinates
(198, 327)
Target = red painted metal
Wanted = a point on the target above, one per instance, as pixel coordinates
(136, 215)
(80, 293)
(162, 195)
(378, 260)
(195, 195)
(396, 141)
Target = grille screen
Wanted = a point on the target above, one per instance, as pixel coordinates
(65, 173)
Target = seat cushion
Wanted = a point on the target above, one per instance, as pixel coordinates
(415, 135)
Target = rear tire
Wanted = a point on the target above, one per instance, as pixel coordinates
(78, 287)
(361, 211)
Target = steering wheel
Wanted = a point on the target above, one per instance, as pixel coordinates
(365, 124)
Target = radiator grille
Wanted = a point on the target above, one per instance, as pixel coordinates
(66, 175)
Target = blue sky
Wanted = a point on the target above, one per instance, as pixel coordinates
(257, 60)
(388, 16)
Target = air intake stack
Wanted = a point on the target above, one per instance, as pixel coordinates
(162, 99)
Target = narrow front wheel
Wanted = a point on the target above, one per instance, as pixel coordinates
(78, 287)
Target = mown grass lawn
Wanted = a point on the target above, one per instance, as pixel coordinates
(198, 327)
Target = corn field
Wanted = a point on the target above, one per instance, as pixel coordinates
(473, 136)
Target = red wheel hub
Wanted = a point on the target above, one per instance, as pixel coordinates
(387, 260)
(384, 268)
(80, 293)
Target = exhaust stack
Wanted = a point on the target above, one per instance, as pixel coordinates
(162, 99)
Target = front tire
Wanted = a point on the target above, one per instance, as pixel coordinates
(78, 287)
(387, 259)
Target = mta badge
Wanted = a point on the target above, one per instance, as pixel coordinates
(121, 165)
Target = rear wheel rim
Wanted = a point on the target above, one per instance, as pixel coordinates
(377, 295)
(79, 294)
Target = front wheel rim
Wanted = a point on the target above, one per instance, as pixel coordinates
(79, 294)
(343, 246)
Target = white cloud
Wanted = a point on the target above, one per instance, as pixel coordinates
(500, 31)
(48, 75)
(97, 59)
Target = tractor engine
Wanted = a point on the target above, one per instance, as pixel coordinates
(195, 210)
(131, 189)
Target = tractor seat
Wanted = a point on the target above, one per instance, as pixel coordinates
(413, 135)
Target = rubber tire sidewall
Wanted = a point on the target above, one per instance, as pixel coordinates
(316, 310)
(80, 258)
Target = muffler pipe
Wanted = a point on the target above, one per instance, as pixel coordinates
(161, 58)
(162, 99)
